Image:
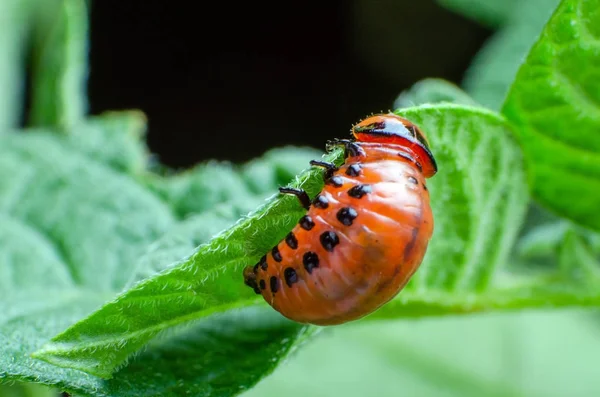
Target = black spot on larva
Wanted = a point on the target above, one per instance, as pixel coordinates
(263, 263)
(347, 215)
(276, 254)
(306, 222)
(335, 181)
(353, 170)
(262, 284)
(250, 280)
(274, 284)
(257, 291)
(329, 240)
(291, 241)
(359, 190)
(425, 187)
(290, 276)
(321, 202)
(310, 260)
(413, 180)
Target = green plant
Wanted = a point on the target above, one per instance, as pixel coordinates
(120, 281)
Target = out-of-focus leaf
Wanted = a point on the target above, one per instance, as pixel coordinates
(554, 104)
(28, 258)
(278, 167)
(527, 354)
(114, 138)
(432, 91)
(99, 221)
(60, 63)
(491, 13)
(15, 22)
(494, 68)
(209, 281)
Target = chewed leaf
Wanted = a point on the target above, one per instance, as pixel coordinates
(96, 218)
(554, 104)
(209, 281)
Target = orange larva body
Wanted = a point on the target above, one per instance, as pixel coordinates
(361, 240)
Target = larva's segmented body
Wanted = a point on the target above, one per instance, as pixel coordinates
(364, 234)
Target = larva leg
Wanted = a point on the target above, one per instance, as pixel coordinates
(300, 193)
(330, 168)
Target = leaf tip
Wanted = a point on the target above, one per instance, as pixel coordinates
(54, 354)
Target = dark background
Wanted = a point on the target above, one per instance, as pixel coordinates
(232, 80)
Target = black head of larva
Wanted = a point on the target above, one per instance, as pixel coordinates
(250, 279)
(393, 129)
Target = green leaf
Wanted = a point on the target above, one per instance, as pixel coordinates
(491, 13)
(15, 21)
(221, 356)
(60, 64)
(494, 68)
(196, 359)
(99, 221)
(28, 318)
(554, 104)
(432, 91)
(209, 281)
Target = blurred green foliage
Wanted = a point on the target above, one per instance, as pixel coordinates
(121, 278)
